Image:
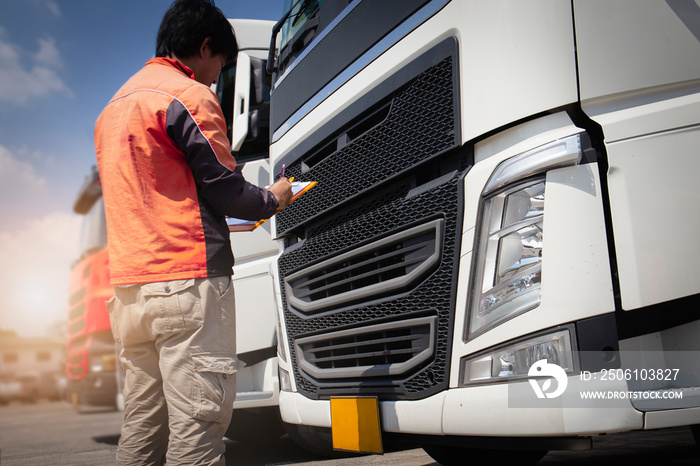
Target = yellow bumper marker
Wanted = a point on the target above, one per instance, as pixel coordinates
(355, 424)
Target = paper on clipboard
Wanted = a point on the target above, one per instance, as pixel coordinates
(298, 189)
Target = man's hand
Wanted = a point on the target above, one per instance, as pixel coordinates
(282, 190)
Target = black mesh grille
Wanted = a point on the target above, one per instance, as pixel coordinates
(386, 266)
(387, 349)
(419, 125)
(434, 293)
(370, 203)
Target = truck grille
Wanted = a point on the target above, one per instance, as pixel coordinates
(420, 123)
(368, 291)
(76, 313)
(392, 348)
(366, 272)
(76, 327)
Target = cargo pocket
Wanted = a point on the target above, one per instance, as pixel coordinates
(225, 287)
(173, 306)
(215, 386)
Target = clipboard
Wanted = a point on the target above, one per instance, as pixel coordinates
(299, 188)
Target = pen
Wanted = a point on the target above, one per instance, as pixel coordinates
(283, 167)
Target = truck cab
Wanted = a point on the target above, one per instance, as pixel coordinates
(499, 253)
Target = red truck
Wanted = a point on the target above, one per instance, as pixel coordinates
(91, 357)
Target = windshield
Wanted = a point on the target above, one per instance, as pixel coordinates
(93, 233)
(302, 22)
(300, 11)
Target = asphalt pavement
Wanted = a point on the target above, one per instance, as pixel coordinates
(53, 434)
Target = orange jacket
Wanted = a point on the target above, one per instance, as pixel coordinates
(168, 179)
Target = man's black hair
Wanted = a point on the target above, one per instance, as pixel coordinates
(187, 23)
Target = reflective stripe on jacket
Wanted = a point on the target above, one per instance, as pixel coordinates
(168, 178)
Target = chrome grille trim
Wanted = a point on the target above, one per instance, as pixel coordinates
(382, 267)
(387, 349)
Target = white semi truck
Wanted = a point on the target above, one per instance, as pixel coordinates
(501, 250)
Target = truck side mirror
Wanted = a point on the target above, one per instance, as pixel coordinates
(243, 89)
(249, 95)
(257, 98)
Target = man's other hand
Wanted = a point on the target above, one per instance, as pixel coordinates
(282, 190)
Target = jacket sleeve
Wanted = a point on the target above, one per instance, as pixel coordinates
(198, 128)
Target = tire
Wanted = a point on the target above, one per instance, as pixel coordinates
(459, 456)
(695, 429)
(75, 401)
(257, 425)
(316, 440)
(33, 397)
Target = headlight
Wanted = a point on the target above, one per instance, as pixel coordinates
(103, 363)
(507, 262)
(512, 362)
(508, 281)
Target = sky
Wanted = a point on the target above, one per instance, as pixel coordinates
(60, 63)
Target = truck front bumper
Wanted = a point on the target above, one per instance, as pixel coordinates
(94, 390)
(478, 411)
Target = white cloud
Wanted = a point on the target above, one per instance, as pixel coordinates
(37, 247)
(35, 272)
(19, 83)
(51, 5)
(24, 191)
(48, 54)
(17, 176)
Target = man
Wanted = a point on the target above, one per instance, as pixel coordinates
(168, 180)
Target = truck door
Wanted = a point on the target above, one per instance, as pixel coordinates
(245, 99)
(640, 83)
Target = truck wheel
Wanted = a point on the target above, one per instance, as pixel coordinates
(33, 397)
(75, 401)
(256, 425)
(695, 429)
(315, 440)
(453, 456)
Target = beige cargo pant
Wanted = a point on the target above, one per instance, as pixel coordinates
(178, 342)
